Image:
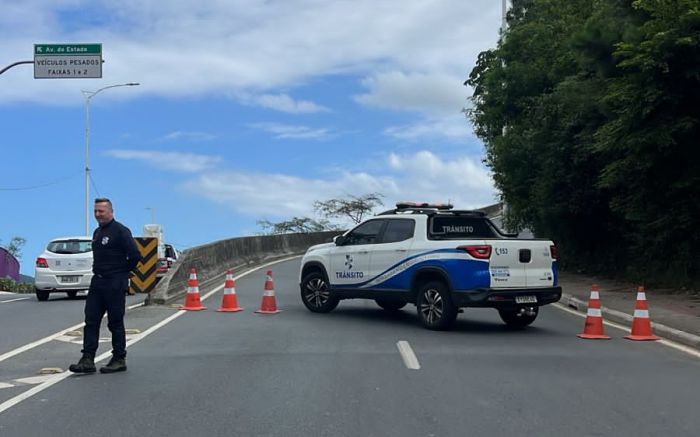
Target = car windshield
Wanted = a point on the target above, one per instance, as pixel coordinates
(70, 246)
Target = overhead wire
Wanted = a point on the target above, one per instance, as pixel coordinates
(35, 187)
(92, 181)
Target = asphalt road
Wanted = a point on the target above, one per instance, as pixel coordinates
(342, 374)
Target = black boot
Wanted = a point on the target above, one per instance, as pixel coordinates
(85, 365)
(114, 365)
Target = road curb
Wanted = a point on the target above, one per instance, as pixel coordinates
(661, 330)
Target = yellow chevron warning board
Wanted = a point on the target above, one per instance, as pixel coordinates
(144, 278)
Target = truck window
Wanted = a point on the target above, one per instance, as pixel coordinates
(365, 233)
(459, 228)
(398, 230)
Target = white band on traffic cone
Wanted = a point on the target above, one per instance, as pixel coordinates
(594, 312)
(641, 314)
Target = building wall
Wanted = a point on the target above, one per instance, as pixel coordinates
(9, 266)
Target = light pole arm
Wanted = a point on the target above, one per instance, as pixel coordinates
(88, 96)
(16, 63)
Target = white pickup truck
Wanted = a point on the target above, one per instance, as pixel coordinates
(436, 258)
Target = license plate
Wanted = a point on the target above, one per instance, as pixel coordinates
(525, 299)
(70, 279)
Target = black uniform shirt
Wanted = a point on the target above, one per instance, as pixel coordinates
(114, 250)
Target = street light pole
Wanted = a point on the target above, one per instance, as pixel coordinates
(153, 214)
(504, 12)
(88, 96)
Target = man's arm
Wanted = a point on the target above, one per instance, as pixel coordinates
(133, 256)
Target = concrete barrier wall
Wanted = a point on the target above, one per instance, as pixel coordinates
(239, 254)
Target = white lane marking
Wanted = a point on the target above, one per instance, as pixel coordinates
(51, 337)
(409, 358)
(55, 379)
(34, 344)
(14, 300)
(6, 385)
(35, 379)
(672, 344)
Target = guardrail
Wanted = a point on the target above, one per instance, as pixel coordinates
(213, 259)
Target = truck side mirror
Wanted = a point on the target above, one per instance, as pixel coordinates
(339, 240)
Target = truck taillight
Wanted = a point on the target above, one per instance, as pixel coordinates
(553, 251)
(42, 263)
(478, 252)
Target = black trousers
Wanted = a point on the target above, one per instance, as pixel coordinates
(106, 295)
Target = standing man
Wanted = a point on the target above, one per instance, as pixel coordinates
(114, 254)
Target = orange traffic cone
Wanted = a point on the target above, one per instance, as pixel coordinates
(593, 330)
(192, 302)
(641, 324)
(269, 303)
(230, 301)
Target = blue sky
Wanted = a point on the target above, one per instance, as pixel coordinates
(246, 110)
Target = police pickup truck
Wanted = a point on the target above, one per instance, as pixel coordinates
(436, 258)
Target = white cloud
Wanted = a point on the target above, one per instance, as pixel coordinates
(284, 103)
(182, 162)
(453, 128)
(286, 131)
(422, 176)
(189, 136)
(425, 93)
(215, 47)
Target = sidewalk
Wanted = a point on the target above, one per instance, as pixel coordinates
(675, 315)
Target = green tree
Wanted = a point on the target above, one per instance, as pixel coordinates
(588, 112)
(650, 140)
(15, 246)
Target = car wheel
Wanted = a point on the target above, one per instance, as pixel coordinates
(390, 305)
(72, 294)
(435, 308)
(42, 295)
(316, 295)
(520, 317)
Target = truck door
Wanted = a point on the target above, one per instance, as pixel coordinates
(350, 262)
(387, 255)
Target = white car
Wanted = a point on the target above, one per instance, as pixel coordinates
(65, 266)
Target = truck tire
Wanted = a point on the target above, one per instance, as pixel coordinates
(435, 308)
(316, 295)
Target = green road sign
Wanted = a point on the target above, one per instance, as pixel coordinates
(67, 49)
(67, 61)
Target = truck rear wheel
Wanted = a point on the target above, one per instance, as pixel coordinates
(435, 308)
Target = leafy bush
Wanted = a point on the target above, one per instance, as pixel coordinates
(15, 287)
